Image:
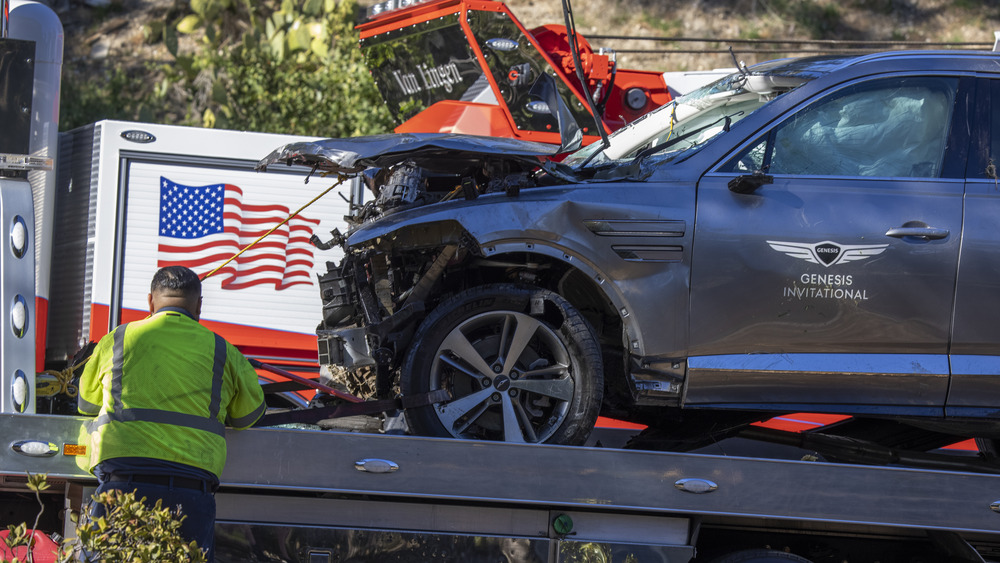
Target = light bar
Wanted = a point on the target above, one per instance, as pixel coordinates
(24, 162)
(537, 106)
(19, 316)
(35, 448)
(502, 44)
(381, 8)
(18, 236)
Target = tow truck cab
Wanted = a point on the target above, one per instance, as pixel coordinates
(467, 66)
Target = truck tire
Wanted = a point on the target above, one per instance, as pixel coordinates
(760, 556)
(548, 391)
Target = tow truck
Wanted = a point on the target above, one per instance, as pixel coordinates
(80, 221)
(468, 66)
(472, 67)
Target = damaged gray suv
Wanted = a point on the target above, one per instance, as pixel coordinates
(805, 235)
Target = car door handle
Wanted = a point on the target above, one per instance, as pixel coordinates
(925, 233)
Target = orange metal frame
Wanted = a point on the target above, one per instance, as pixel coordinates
(451, 114)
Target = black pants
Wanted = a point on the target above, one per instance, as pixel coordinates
(197, 503)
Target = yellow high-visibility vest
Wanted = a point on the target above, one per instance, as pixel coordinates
(165, 388)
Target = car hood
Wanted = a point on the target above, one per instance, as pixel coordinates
(434, 151)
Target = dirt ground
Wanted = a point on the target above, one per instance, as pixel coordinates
(118, 30)
(856, 20)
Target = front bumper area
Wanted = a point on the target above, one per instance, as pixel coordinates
(348, 348)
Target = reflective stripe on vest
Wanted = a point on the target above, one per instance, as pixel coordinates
(208, 424)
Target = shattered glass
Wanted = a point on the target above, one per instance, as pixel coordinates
(896, 129)
(690, 121)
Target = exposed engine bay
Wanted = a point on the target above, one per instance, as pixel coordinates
(408, 170)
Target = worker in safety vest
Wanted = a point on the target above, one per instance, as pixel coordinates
(163, 390)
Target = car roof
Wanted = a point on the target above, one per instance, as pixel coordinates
(816, 66)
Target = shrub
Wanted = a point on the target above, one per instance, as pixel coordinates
(130, 531)
(290, 66)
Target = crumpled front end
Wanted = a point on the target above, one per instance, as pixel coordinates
(376, 296)
(373, 301)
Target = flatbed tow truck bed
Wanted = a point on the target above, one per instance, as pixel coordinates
(314, 495)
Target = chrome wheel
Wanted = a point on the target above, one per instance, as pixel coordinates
(514, 374)
(510, 376)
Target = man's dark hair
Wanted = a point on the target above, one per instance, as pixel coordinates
(176, 279)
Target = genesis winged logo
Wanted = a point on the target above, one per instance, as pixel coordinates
(827, 253)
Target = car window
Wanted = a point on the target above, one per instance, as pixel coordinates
(993, 159)
(515, 70)
(425, 63)
(886, 128)
(690, 121)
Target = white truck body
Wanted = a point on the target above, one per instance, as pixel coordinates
(109, 210)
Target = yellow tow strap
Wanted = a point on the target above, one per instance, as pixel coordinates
(340, 180)
(61, 383)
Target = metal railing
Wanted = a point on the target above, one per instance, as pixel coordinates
(788, 46)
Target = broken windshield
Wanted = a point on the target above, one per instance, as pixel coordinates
(690, 121)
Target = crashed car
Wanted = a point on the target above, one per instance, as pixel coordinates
(804, 235)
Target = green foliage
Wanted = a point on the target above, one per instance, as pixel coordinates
(590, 552)
(130, 531)
(664, 26)
(280, 66)
(288, 68)
(20, 535)
(884, 7)
(821, 19)
(97, 93)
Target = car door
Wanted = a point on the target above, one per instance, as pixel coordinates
(830, 287)
(975, 353)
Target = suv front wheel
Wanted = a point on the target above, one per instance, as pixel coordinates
(521, 363)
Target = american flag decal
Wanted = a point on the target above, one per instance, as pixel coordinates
(203, 226)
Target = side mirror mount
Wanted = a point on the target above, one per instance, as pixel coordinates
(750, 183)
